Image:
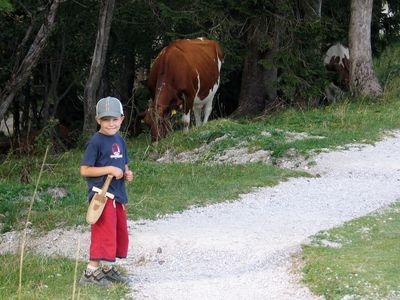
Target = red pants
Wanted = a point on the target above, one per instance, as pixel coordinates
(109, 237)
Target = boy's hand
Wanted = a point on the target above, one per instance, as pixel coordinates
(116, 172)
(128, 175)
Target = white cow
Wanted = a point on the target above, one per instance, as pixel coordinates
(337, 59)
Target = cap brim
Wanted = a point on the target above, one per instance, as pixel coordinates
(109, 114)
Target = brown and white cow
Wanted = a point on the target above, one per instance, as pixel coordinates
(185, 75)
(337, 61)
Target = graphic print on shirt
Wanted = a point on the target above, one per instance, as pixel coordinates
(116, 152)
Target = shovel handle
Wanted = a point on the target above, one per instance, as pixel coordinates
(106, 184)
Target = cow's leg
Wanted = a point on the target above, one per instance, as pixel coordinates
(197, 103)
(186, 121)
(208, 102)
(197, 108)
(207, 110)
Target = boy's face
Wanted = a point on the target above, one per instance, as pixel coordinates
(110, 125)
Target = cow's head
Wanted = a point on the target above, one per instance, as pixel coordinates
(159, 124)
(167, 101)
(337, 61)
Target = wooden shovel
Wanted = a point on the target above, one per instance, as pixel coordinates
(99, 201)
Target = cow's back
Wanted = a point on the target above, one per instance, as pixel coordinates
(185, 60)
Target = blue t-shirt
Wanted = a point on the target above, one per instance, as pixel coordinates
(106, 150)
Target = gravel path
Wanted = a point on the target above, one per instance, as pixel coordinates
(243, 249)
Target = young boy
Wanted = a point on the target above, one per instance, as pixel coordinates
(105, 154)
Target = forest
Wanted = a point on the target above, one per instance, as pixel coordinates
(58, 57)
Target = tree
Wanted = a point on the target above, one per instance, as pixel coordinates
(258, 80)
(259, 74)
(363, 81)
(23, 70)
(283, 38)
(96, 69)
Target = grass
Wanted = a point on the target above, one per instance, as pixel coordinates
(48, 212)
(158, 189)
(346, 122)
(166, 188)
(48, 278)
(367, 265)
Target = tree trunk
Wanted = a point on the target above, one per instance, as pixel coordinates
(127, 77)
(55, 65)
(20, 76)
(258, 88)
(253, 90)
(96, 69)
(363, 81)
(104, 86)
